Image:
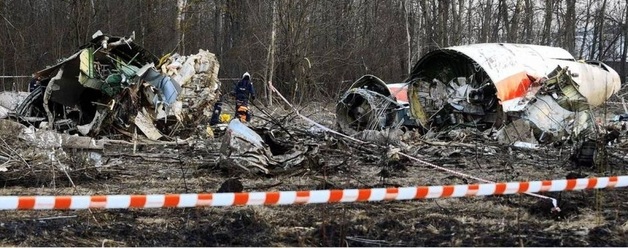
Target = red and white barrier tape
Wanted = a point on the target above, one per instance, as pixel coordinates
(553, 200)
(301, 197)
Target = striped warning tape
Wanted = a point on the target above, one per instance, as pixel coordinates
(301, 197)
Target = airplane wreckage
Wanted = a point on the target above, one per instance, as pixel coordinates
(525, 93)
(113, 85)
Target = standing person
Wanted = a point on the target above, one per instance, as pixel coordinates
(243, 91)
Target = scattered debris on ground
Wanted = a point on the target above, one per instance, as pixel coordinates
(133, 137)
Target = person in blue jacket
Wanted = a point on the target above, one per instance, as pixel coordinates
(243, 92)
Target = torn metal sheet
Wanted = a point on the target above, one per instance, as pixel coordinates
(97, 121)
(517, 130)
(49, 139)
(169, 88)
(525, 145)
(37, 151)
(4, 112)
(95, 158)
(243, 148)
(145, 124)
(11, 99)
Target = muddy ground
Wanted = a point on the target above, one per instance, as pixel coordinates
(588, 218)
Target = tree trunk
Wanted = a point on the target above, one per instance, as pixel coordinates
(469, 21)
(600, 33)
(503, 18)
(586, 30)
(622, 70)
(547, 22)
(443, 12)
(497, 24)
(405, 4)
(513, 32)
(570, 27)
(428, 34)
(528, 21)
(218, 27)
(270, 67)
(593, 47)
(558, 37)
(459, 25)
(486, 22)
(180, 32)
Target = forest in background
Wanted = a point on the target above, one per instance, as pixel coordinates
(310, 49)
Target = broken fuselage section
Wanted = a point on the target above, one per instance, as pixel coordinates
(495, 85)
(371, 104)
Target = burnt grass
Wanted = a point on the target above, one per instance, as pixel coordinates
(588, 218)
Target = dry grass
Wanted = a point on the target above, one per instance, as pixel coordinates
(480, 221)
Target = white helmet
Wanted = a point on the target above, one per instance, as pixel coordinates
(246, 75)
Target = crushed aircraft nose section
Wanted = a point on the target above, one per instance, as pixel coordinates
(371, 104)
(492, 85)
(113, 84)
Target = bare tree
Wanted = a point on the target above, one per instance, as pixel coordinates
(404, 6)
(443, 24)
(587, 18)
(528, 22)
(598, 33)
(547, 22)
(513, 31)
(570, 27)
(309, 45)
(502, 21)
(180, 35)
(457, 13)
(487, 17)
(624, 51)
(270, 67)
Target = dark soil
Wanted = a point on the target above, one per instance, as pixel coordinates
(588, 218)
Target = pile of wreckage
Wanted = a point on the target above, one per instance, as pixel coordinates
(111, 85)
(519, 94)
(109, 91)
(112, 90)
